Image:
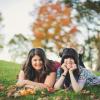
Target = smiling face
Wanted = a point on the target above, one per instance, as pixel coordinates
(37, 62)
(69, 62)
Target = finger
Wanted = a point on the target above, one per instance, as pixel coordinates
(74, 66)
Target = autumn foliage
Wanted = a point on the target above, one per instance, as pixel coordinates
(50, 23)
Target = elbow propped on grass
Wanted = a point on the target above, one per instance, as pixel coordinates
(77, 90)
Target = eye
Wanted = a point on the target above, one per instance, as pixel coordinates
(72, 62)
(34, 59)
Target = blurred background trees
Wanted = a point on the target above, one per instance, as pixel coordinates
(1, 34)
(18, 47)
(58, 24)
(53, 28)
(13, 48)
(89, 16)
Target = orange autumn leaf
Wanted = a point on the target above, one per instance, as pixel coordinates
(58, 46)
(67, 11)
(39, 23)
(43, 10)
(57, 29)
(51, 17)
(49, 35)
(65, 21)
(37, 42)
(25, 92)
(73, 30)
(57, 7)
(39, 35)
(45, 25)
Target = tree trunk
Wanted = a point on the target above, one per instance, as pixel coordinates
(98, 60)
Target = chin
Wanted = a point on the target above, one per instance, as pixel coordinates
(38, 69)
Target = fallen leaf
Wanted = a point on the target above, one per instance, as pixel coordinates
(1, 87)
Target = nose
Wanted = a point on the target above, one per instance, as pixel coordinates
(38, 62)
(69, 63)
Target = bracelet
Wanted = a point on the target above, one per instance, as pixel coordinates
(64, 75)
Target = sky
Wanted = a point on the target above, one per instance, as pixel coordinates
(16, 19)
(16, 16)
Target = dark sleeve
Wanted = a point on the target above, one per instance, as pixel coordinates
(58, 73)
(55, 66)
(53, 69)
(80, 61)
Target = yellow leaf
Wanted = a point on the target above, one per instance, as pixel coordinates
(37, 43)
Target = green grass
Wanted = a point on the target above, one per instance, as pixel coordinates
(8, 72)
(8, 76)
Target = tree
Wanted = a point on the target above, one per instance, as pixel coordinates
(94, 42)
(19, 46)
(89, 16)
(53, 28)
(89, 12)
(1, 35)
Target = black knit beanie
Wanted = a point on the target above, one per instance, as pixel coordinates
(69, 53)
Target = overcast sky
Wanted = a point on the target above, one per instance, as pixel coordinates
(16, 15)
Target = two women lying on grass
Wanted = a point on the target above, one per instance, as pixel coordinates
(40, 72)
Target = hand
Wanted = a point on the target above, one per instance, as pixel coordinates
(21, 83)
(73, 67)
(64, 67)
(29, 86)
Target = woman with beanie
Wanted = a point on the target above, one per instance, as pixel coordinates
(71, 74)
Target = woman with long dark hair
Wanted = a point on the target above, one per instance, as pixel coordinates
(37, 70)
(71, 74)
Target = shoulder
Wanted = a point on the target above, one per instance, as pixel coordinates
(21, 72)
(54, 65)
(57, 65)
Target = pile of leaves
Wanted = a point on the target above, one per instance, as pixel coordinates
(17, 91)
(45, 94)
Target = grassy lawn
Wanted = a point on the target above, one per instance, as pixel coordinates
(9, 72)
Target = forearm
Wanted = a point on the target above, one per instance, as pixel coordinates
(30, 84)
(76, 87)
(60, 81)
(38, 86)
(35, 84)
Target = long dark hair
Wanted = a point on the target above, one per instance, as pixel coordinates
(30, 72)
(70, 53)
